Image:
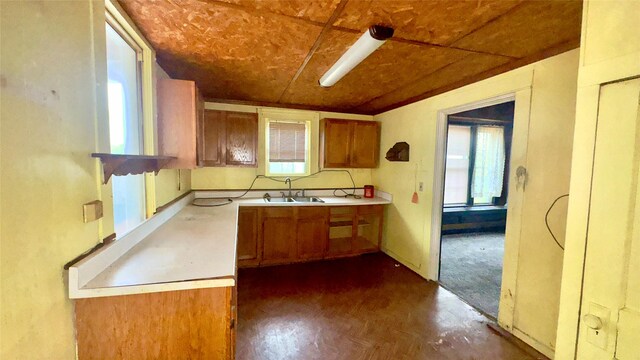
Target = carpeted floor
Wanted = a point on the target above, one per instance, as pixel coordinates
(471, 267)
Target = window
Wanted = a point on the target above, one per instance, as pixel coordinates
(287, 147)
(125, 125)
(474, 165)
(457, 165)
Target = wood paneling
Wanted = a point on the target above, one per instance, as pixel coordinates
(458, 71)
(436, 22)
(375, 76)
(319, 11)
(532, 27)
(231, 52)
(188, 324)
(272, 53)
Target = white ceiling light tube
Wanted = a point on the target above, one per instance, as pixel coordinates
(372, 39)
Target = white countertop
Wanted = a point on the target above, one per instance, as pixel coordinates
(197, 243)
(194, 248)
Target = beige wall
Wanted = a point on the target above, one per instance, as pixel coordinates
(538, 266)
(53, 115)
(48, 124)
(241, 178)
(610, 51)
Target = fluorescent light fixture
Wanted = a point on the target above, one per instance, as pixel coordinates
(372, 39)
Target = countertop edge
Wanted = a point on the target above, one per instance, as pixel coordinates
(151, 288)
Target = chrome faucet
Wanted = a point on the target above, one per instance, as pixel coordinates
(288, 181)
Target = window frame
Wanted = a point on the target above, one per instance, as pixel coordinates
(114, 17)
(473, 125)
(312, 119)
(307, 145)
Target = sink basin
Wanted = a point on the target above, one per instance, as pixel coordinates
(279, 200)
(308, 199)
(296, 199)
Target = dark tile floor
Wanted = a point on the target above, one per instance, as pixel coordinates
(366, 307)
(471, 267)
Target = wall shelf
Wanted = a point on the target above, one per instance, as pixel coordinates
(118, 164)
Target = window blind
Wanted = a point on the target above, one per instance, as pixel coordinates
(287, 142)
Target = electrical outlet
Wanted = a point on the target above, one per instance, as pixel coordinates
(421, 186)
(92, 211)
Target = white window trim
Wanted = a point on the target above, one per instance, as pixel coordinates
(311, 119)
(307, 150)
(117, 18)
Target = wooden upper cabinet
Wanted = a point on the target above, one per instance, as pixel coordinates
(230, 138)
(213, 139)
(365, 144)
(349, 143)
(180, 112)
(335, 142)
(241, 138)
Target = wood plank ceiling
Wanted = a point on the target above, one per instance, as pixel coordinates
(273, 52)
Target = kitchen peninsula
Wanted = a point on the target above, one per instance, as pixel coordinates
(175, 276)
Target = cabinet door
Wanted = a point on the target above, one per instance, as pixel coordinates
(213, 138)
(365, 145)
(248, 237)
(336, 143)
(199, 127)
(241, 139)
(278, 236)
(177, 122)
(311, 233)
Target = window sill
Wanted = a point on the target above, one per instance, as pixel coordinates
(474, 208)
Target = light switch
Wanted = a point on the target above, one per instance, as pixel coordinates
(596, 322)
(92, 211)
(421, 186)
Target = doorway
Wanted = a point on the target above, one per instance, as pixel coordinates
(474, 211)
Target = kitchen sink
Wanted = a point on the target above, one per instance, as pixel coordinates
(312, 199)
(308, 199)
(279, 200)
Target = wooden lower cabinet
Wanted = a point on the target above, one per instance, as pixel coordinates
(278, 239)
(287, 234)
(184, 324)
(311, 232)
(248, 227)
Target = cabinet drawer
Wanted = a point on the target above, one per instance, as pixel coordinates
(369, 209)
(342, 210)
(305, 212)
(279, 211)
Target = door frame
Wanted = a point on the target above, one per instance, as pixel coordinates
(522, 98)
